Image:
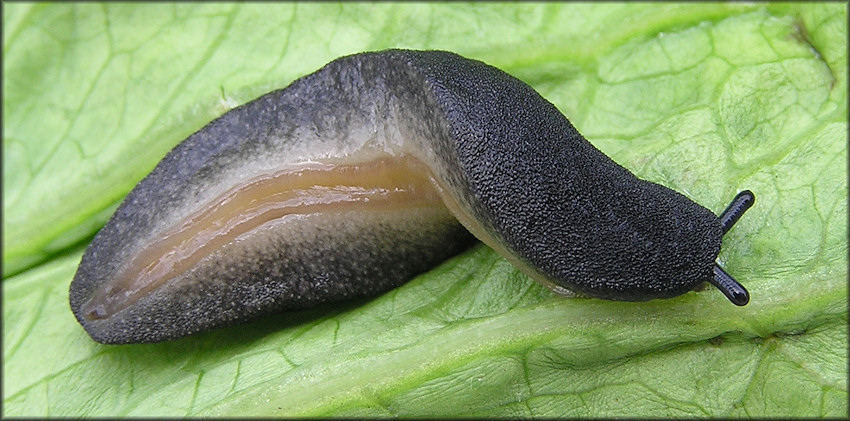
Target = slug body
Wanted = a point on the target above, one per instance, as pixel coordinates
(365, 173)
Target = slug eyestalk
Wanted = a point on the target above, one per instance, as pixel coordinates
(732, 289)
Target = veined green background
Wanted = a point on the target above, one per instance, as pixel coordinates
(707, 99)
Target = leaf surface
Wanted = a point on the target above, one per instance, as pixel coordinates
(707, 99)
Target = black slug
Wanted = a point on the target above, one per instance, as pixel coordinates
(367, 172)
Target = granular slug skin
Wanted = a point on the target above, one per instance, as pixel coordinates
(373, 169)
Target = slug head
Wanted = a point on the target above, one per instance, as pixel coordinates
(688, 251)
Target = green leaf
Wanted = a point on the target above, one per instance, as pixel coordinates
(708, 99)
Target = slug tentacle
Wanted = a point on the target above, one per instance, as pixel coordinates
(373, 169)
(742, 201)
(735, 292)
